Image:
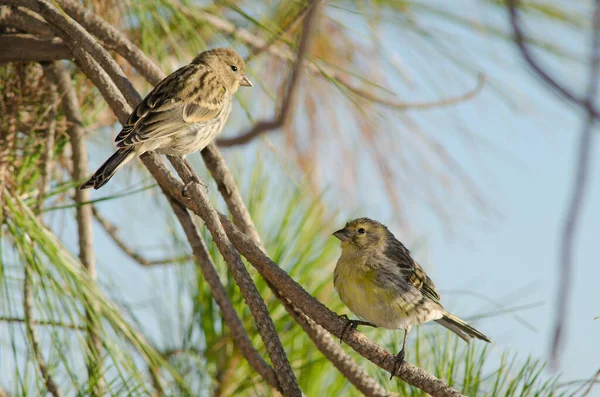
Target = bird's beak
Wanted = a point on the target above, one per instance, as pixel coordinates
(245, 81)
(343, 234)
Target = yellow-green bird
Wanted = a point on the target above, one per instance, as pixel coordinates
(379, 281)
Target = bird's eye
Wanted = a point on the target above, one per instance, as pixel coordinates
(361, 231)
(234, 68)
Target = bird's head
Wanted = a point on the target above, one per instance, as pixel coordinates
(363, 233)
(228, 64)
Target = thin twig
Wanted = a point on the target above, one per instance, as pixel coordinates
(112, 231)
(70, 103)
(285, 114)
(34, 341)
(439, 103)
(219, 294)
(48, 323)
(534, 64)
(578, 194)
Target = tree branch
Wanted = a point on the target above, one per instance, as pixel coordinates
(113, 38)
(70, 103)
(28, 48)
(219, 294)
(257, 306)
(286, 112)
(535, 65)
(578, 193)
(66, 28)
(25, 21)
(334, 352)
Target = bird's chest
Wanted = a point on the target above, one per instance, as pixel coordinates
(359, 289)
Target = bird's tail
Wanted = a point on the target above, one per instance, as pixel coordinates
(460, 328)
(108, 169)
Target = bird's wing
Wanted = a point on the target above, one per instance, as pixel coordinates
(414, 273)
(420, 280)
(192, 94)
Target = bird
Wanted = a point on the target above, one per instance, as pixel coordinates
(379, 281)
(182, 114)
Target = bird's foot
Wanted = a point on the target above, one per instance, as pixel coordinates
(397, 363)
(352, 324)
(195, 179)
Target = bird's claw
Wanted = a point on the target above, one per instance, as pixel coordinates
(352, 324)
(397, 363)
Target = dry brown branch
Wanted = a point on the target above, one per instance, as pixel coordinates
(219, 294)
(34, 341)
(332, 350)
(285, 114)
(112, 231)
(114, 39)
(70, 104)
(28, 48)
(69, 30)
(25, 21)
(256, 304)
(578, 192)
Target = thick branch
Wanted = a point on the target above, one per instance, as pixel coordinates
(114, 39)
(25, 21)
(84, 215)
(289, 100)
(27, 48)
(67, 29)
(219, 294)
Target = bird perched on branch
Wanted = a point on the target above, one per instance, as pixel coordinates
(379, 281)
(182, 114)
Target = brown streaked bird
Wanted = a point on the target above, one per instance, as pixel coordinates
(379, 281)
(182, 114)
